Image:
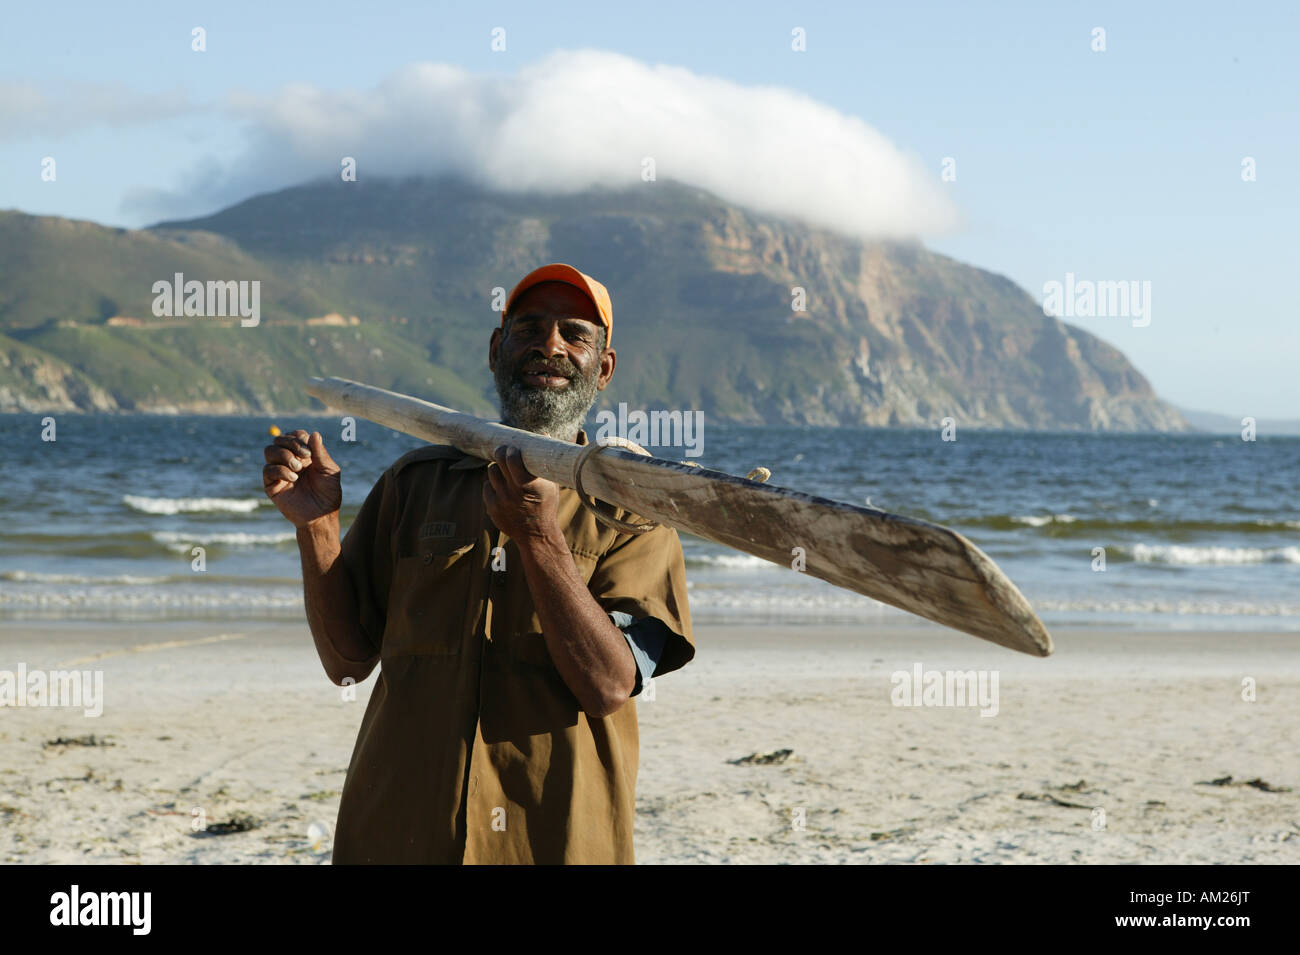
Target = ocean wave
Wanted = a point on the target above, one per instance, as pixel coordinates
(181, 542)
(1071, 525)
(1043, 520)
(845, 602)
(823, 597)
(141, 580)
(41, 595)
(735, 561)
(1188, 556)
(1175, 607)
(34, 577)
(158, 600)
(193, 505)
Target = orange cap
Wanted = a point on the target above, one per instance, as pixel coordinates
(559, 272)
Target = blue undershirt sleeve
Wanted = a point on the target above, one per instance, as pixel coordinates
(646, 637)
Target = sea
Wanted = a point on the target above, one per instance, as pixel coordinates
(1160, 532)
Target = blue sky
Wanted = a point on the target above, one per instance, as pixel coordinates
(1115, 165)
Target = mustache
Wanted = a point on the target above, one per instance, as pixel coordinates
(539, 367)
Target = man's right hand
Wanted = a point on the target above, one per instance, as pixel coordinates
(301, 478)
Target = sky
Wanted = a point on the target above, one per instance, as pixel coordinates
(1164, 151)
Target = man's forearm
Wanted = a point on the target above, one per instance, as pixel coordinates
(331, 603)
(590, 653)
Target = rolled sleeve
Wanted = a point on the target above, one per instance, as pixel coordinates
(644, 576)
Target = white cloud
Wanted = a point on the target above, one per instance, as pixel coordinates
(580, 119)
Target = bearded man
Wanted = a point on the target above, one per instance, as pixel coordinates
(512, 629)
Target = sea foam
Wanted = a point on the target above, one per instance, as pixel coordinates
(1186, 555)
(192, 505)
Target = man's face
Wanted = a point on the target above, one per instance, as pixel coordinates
(549, 363)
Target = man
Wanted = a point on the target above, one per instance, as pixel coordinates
(512, 626)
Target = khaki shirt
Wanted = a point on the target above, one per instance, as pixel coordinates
(472, 748)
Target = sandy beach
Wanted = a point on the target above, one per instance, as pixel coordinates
(1102, 753)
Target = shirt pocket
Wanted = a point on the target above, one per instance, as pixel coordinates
(428, 598)
(522, 694)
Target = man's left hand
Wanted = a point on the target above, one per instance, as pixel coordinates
(519, 502)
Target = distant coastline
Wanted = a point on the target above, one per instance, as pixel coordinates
(1266, 426)
(1208, 422)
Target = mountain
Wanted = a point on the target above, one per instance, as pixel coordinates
(392, 282)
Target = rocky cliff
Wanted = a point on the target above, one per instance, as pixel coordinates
(746, 317)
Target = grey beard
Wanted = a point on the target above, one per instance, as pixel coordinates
(542, 410)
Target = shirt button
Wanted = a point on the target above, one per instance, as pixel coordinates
(428, 558)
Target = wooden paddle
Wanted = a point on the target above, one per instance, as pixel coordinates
(924, 568)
